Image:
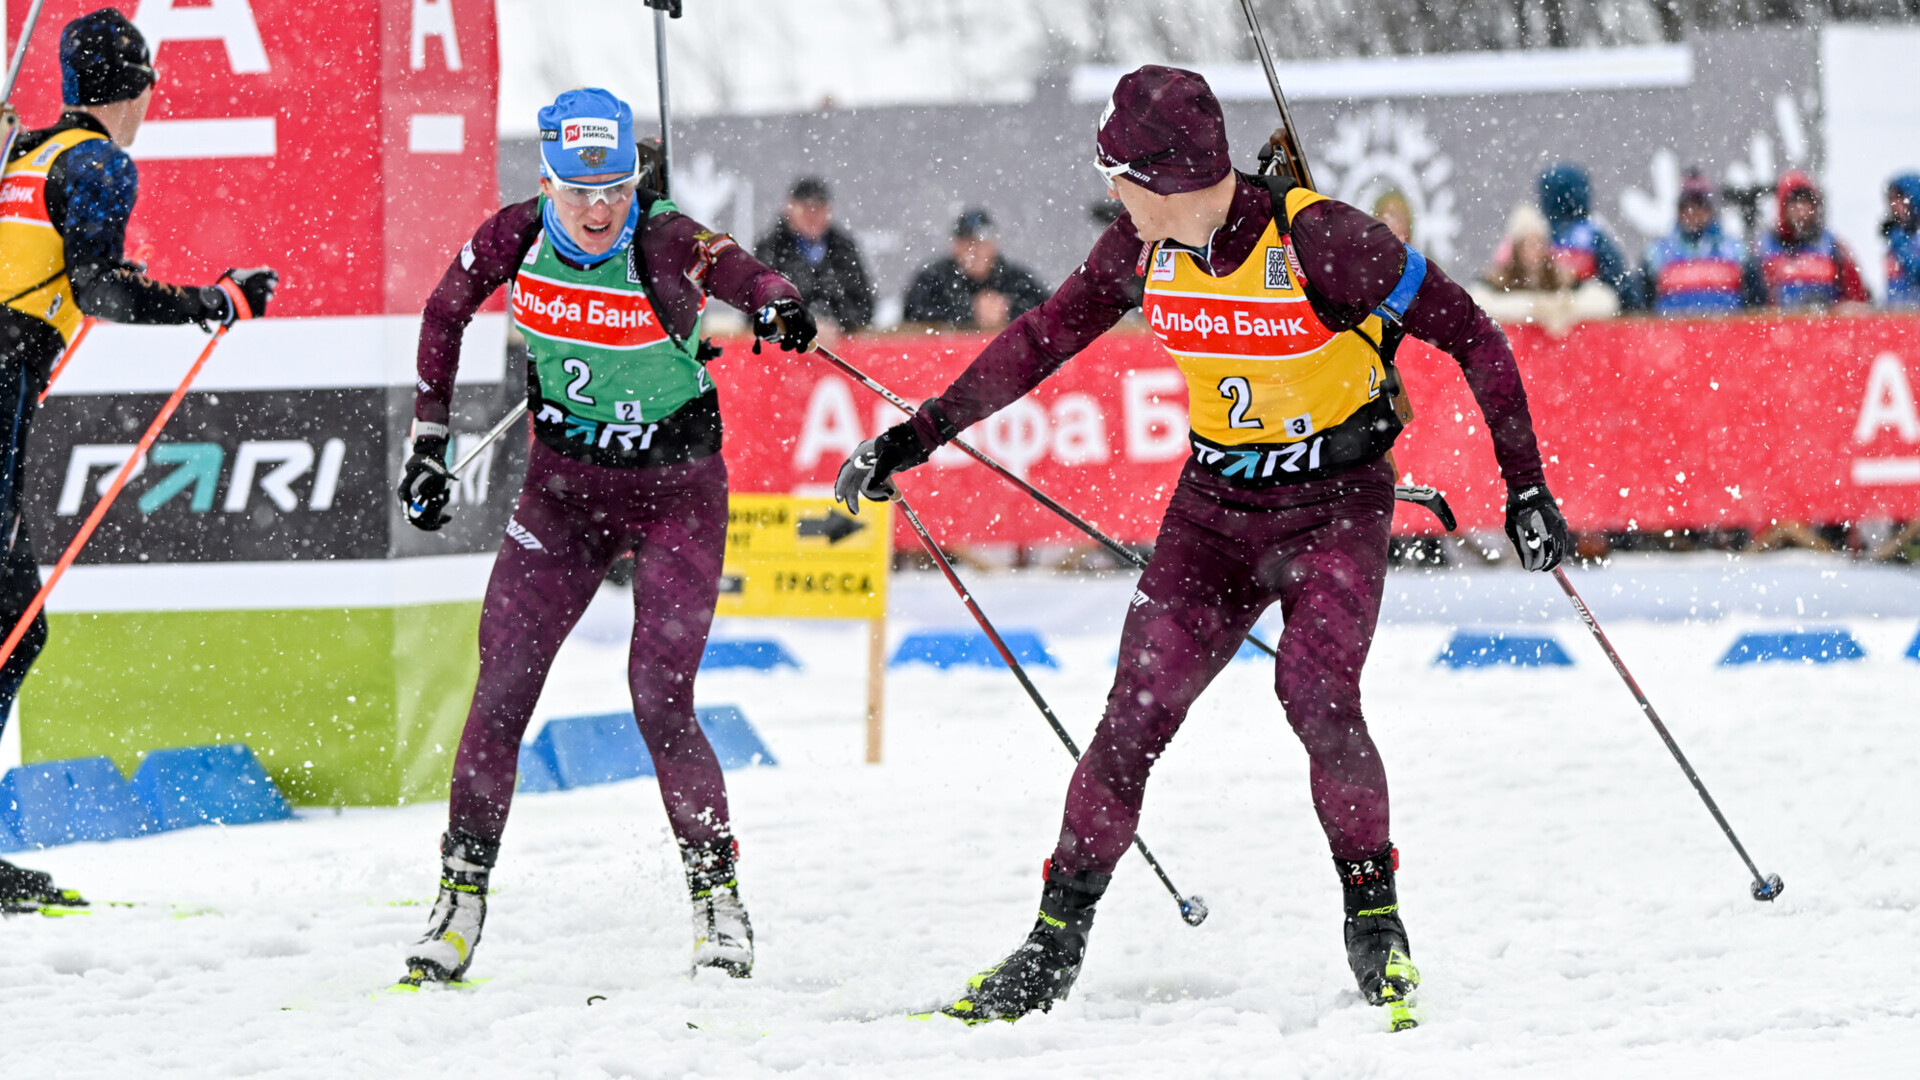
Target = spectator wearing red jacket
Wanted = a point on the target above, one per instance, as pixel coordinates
(1802, 264)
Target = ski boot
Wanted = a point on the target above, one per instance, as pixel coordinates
(453, 928)
(722, 933)
(1377, 948)
(23, 891)
(1042, 970)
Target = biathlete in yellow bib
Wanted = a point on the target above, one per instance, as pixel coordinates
(1282, 308)
(608, 282)
(65, 196)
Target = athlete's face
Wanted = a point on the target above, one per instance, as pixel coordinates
(122, 119)
(596, 225)
(1189, 217)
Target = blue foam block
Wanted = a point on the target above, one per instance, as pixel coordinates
(59, 802)
(956, 648)
(207, 785)
(594, 749)
(759, 654)
(601, 749)
(734, 741)
(536, 769)
(1482, 648)
(1798, 646)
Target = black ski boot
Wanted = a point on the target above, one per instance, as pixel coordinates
(1377, 948)
(23, 890)
(722, 934)
(1042, 970)
(459, 912)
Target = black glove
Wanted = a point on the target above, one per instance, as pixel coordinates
(787, 322)
(868, 473)
(1537, 529)
(242, 294)
(427, 484)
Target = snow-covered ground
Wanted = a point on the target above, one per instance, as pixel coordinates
(1572, 906)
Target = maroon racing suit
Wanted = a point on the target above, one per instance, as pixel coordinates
(574, 518)
(1227, 552)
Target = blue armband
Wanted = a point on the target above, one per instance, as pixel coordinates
(1394, 307)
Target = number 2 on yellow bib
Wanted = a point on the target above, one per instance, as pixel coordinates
(1237, 389)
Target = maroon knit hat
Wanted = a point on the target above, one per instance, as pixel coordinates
(1165, 125)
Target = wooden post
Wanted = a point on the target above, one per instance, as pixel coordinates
(876, 685)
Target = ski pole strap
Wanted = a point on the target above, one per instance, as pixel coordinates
(1394, 307)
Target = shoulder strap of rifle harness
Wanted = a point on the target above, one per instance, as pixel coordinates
(1391, 310)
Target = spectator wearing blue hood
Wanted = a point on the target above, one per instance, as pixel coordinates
(1697, 269)
(1566, 198)
(1902, 230)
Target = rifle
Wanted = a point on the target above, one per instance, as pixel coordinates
(1282, 153)
(12, 119)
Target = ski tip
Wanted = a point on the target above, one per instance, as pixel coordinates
(1194, 910)
(1401, 1018)
(1770, 889)
(961, 1011)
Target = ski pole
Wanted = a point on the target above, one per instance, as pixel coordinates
(1765, 887)
(492, 434)
(100, 508)
(1192, 908)
(80, 335)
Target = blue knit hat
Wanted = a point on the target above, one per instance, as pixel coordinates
(103, 59)
(587, 133)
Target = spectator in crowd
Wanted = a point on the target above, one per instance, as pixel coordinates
(1902, 230)
(1528, 284)
(1579, 243)
(1393, 211)
(821, 260)
(1697, 268)
(1802, 265)
(974, 287)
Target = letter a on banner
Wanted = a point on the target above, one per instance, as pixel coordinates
(1888, 402)
(229, 22)
(433, 18)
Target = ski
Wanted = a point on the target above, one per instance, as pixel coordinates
(418, 978)
(76, 906)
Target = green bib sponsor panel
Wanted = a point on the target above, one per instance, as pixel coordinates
(600, 354)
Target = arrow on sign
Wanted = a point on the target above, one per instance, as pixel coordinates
(199, 472)
(836, 526)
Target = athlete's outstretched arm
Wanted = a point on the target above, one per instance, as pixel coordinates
(681, 252)
(92, 189)
(1356, 262)
(487, 262)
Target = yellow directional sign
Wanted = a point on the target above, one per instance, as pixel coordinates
(792, 557)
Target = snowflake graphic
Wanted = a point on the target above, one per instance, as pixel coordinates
(1386, 149)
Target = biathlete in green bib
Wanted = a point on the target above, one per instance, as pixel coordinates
(608, 282)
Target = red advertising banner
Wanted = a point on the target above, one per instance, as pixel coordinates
(1646, 425)
(351, 145)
